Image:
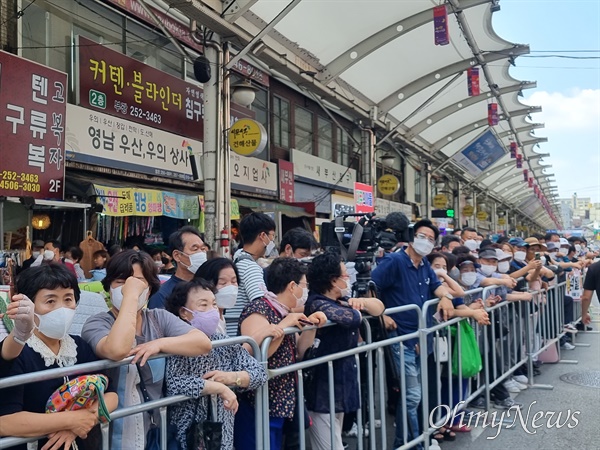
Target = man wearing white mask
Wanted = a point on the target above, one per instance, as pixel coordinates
(406, 278)
(469, 237)
(185, 246)
(258, 238)
(37, 248)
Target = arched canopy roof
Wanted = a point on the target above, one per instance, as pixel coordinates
(378, 59)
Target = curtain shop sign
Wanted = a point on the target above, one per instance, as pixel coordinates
(107, 141)
(32, 122)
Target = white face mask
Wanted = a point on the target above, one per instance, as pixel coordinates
(472, 244)
(227, 296)
(345, 292)
(422, 246)
(543, 260)
(301, 301)
(269, 247)
(468, 278)
(159, 265)
(503, 266)
(520, 256)
(577, 248)
(196, 260)
(35, 255)
(56, 324)
(116, 297)
(48, 255)
(487, 270)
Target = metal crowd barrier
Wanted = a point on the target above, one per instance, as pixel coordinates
(533, 327)
(162, 403)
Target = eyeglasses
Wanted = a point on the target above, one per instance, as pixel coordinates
(423, 236)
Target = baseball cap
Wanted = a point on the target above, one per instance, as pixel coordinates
(38, 243)
(564, 242)
(488, 253)
(518, 242)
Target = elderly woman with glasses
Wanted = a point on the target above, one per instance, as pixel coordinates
(330, 293)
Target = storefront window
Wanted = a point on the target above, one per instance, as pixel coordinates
(281, 122)
(304, 130)
(325, 139)
(344, 147)
(260, 106)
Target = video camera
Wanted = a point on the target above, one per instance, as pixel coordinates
(359, 241)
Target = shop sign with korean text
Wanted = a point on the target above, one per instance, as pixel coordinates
(32, 129)
(341, 204)
(388, 184)
(107, 141)
(363, 198)
(480, 154)
(321, 172)
(253, 175)
(247, 137)
(286, 181)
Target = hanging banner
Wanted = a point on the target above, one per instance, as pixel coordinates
(147, 202)
(480, 154)
(32, 122)
(530, 182)
(473, 81)
(525, 175)
(493, 118)
(440, 25)
(513, 150)
(235, 210)
(363, 198)
(116, 201)
(106, 141)
(519, 161)
(180, 206)
(286, 181)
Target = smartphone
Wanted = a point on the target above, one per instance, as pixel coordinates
(438, 317)
(537, 256)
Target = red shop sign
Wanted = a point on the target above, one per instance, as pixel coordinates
(115, 84)
(32, 124)
(286, 181)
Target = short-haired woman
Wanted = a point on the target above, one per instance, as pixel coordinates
(330, 292)
(216, 373)
(130, 329)
(55, 293)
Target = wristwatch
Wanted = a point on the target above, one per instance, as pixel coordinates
(448, 295)
(238, 380)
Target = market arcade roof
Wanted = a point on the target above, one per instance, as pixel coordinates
(377, 59)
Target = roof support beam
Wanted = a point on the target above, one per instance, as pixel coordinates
(534, 141)
(530, 127)
(233, 61)
(374, 42)
(407, 91)
(234, 9)
(466, 102)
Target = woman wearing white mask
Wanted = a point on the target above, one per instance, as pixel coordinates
(223, 369)
(269, 316)
(223, 274)
(130, 329)
(329, 294)
(55, 293)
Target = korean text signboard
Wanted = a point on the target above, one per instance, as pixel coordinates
(286, 181)
(107, 141)
(115, 84)
(32, 129)
(321, 172)
(363, 198)
(480, 154)
(253, 175)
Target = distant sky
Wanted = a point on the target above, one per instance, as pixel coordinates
(568, 90)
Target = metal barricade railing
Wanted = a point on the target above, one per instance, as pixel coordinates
(101, 365)
(368, 348)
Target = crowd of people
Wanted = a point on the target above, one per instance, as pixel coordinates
(208, 298)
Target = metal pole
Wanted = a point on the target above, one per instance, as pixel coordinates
(226, 152)
(211, 141)
(2, 224)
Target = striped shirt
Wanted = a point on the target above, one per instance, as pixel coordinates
(251, 285)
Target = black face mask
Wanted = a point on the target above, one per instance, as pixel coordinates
(165, 261)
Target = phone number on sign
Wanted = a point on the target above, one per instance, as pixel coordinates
(14, 181)
(149, 116)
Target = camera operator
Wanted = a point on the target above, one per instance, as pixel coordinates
(406, 278)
